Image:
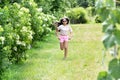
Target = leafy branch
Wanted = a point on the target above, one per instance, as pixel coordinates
(109, 16)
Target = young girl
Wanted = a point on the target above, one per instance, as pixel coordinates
(64, 33)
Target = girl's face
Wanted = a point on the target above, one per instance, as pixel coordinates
(64, 21)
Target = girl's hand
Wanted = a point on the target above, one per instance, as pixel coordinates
(58, 38)
(69, 38)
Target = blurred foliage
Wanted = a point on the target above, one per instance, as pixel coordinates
(57, 8)
(86, 3)
(113, 72)
(114, 68)
(103, 75)
(109, 14)
(6, 2)
(118, 3)
(79, 16)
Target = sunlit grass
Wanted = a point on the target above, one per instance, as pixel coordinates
(46, 62)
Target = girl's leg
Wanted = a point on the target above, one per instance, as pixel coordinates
(65, 48)
(61, 46)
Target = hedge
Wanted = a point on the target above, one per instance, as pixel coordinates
(20, 26)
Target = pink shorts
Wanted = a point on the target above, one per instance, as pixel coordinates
(63, 38)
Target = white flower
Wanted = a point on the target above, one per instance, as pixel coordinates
(17, 37)
(1, 29)
(15, 48)
(24, 29)
(2, 39)
(21, 13)
(23, 43)
(20, 43)
(17, 5)
(30, 37)
(29, 46)
(44, 25)
(40, 9)
(46, 19)
(39, 17)
(24, 9)
(30, 3)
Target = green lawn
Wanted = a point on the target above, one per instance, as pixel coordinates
(46, 62)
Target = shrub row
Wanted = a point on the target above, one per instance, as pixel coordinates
(20, 26)
(83, 15)
(77, 15)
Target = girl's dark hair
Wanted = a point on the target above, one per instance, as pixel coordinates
(61, 21)
(58, 23)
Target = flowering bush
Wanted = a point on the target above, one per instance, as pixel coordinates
(40, 22)
(20, 25)
(80, 15)
(4, 48)
(15, 34)
(20, 22)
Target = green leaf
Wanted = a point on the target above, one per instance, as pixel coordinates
(114, 68)
(109, 40)
(108, 27)
(103, 75)
(110, 3)
(105, 25)
(118, 14)
(99, 4)
(104, 13)
(114, 14)
(117, 36)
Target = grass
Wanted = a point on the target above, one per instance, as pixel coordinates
(46, 61)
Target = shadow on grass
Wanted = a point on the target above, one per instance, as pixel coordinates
(113, 71)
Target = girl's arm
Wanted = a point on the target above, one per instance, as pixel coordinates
(70, 29)
(56, 28)
(57, 33)
(70, 35)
